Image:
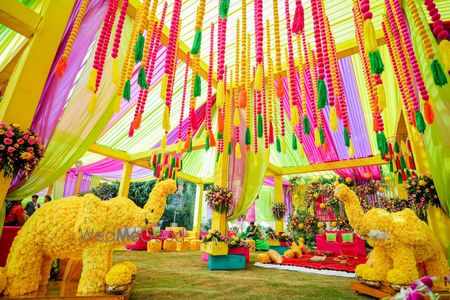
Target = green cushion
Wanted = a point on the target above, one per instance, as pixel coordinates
(331, 237)
(347, 237)
(156, 231)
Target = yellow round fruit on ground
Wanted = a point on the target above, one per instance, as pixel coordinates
(301, 226)
(333, 224)
(322, 205)
(320, 225)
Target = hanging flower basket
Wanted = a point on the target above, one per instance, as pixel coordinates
(219, 198)
(278, 211)
(20, 150)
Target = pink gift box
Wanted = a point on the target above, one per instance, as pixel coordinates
(240, 251)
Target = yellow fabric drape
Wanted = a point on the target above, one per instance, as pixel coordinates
(58, 187)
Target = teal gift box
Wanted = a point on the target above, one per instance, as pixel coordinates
(226, 262)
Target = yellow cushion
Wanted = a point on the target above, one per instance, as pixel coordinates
(154, 246)
(183, 245)
(275, 256)
(194, 244)
(252, 244)
(296, 249)
(170, 245)
(263, 258)
(289, 253)
(192, 234)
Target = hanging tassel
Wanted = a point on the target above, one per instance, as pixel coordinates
(397, 147)
(403, 175)
(237, 150)
(408, 174)
(158, 161)
(117, 101)
(229, 149)
(172, 162)
(346, 137)
(92, 103)
(115, 71)
(381, 97)
(306, 125)
(294, 141)
(333, 119)
(402, 162)
(223, 8)
(212, 140)
(220, 93)
(154, 160)
(207, 145)
(187, 143)
(248, 137)
(383, 141)
(243, 99)
(278, 144)
(131, 131)
(194, 122)
(260, 126)
(399, 176)
(438, 73)
(197, 42)
(164, 141)
(61, 66)
(421, 126)
(283, 145)
(351, 150)
(316, 137)
(370, 41)
(217, 157)
(376, 63)
(258, 78)
(322, 135)
(92, 80)
(299, 18)
(397, 163)
(197, 86)
(236, 118)
(280, 88)
(164, 86)
(166, 119)
(294, 116)
(139, 48)
(179, 146)
(137, 121)
(127, 90)
(411, 163)
(220, 122)
(323, 94)
(429, 113)
(444, 48)
(220, 136)
(142, 79)
(271, 137)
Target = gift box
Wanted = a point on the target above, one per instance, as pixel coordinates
(170, 246)
(226, 262)
(194, 245)
(154, 246)
(183, 245)
(214, 248)
(279, 249)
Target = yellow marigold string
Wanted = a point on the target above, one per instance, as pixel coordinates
(279, 80)
(247, 88)
(62, 63)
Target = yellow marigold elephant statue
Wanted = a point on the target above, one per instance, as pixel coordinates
(400, 241)
(78, 228)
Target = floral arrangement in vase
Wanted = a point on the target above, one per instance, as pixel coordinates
(20, 150)
(219, 198)
(278, 211)
(235, 242)
(214, 236)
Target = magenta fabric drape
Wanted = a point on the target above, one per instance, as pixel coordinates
(71, 181)
(251, 212)
(287, 200)
(56, 90)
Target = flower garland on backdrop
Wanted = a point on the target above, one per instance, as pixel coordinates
(166, 165)
(219, 198)
(279, 210)
(20, 150)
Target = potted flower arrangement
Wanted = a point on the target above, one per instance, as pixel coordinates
(20, 151)
(219, 198)
(214, 243)
(238, 246)
(278, 210)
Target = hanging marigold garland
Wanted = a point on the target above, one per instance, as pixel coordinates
(62, 63)
(236, 114)
(169, 76)
(210, 140)
(183, 101)
(269, 87)
(116, 43)
(258, 77)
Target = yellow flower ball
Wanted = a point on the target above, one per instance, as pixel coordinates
(322, 205)
(422, 182)
(381, 189)
(131, 266)
(348, 179)
(333, 224)
(320, 225)
(119, 274)
(387, 179)
(336, 183)
(301, 226)
(367, 175)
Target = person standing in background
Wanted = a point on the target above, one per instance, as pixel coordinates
(47, 198)
(15, 214)
(32, 206)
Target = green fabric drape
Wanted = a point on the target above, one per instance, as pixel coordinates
(263, 206)
(58, 187)
(95, 181)
(76, 132)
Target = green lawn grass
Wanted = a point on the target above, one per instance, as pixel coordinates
(183, 275)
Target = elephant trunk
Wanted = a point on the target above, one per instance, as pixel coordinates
(352, 206)
(154, 208)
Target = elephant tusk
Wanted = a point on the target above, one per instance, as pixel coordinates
(378, 235)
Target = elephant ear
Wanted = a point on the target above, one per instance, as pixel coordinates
(409, 229)
(92, 216)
